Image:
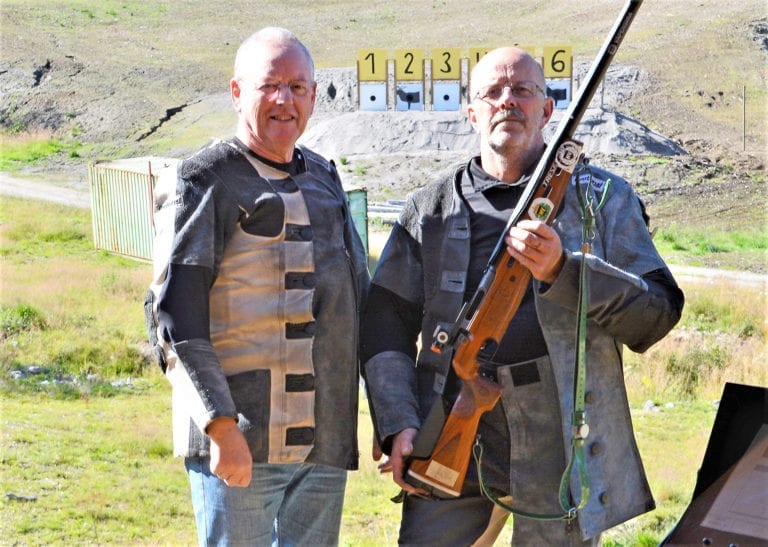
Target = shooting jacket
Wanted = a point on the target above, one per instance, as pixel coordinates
(425, 261)
(280, 271)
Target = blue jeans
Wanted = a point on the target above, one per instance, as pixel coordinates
(285, 505)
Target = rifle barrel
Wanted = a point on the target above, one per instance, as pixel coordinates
(567, 127)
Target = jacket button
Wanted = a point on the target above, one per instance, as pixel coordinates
(595, 449)
(589, 397)
(604, 498)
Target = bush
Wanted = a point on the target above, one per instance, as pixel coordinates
(20, 318)
(112, 361)
(687, 371)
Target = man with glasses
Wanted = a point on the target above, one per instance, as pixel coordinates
(261, 276)
(433, 262)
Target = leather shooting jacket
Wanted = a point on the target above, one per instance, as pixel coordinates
(425, 261)
(258, 287)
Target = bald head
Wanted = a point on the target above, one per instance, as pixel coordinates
(506, 64)
(509, 110)
(274, 38)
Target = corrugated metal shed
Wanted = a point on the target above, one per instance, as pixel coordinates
(121, 204)
(122, 197)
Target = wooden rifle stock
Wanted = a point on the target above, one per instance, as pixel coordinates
(484, 319)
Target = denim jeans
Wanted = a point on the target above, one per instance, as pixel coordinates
(285, 505)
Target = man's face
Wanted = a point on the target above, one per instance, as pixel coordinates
(274, 96)
(509, 108)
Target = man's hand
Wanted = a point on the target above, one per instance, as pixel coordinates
(376, 452)
(231, 458)
(536, 245)
(402, 447)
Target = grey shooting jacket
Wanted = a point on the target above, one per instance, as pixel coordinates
(289, 274)
(425, 261)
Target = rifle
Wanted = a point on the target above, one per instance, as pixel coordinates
(482, 321)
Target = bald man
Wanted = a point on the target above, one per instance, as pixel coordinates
(257, 313)
(433, 262)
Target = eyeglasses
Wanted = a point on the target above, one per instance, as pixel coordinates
(519, 90)
(297, 88)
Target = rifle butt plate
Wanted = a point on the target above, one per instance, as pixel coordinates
(436, 488)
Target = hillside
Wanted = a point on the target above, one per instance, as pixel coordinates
(150, 78)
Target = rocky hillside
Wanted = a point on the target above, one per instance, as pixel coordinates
(150, 78)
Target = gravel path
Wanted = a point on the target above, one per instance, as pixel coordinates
(27, 188)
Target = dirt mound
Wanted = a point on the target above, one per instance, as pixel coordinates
(339, 129)
(355, 133)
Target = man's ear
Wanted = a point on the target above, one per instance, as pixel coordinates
(549, 108)
(471, 116)
(234, 93)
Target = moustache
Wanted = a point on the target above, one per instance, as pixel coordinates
(514, 115)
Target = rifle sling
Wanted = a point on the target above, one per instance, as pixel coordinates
(579, 424)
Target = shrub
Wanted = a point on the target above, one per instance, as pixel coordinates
(688, 370)
(20, 318)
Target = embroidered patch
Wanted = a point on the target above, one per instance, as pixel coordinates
(541, 209)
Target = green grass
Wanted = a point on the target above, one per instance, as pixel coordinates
(742, 246)
(20, 149)
(95, 451)
(698, 242)
(101, 472)
(99, 469)
(66, 306)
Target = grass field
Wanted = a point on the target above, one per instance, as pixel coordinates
(85, 449)
(85, 444)
(99, 471)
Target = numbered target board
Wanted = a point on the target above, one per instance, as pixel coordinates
(409, 79)
(446, 64)
(445, 70)
(372, 76)
(557, 62)
(372, 65)
(436, 81)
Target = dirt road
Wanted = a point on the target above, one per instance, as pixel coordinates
(32, 189)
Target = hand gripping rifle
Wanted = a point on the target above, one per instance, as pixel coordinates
(484, 318)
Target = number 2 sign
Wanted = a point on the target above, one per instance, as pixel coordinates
(409, 64)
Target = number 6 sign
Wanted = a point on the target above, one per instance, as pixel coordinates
(558, 62)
